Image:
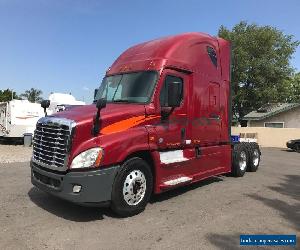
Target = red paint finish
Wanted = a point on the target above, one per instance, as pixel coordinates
(199, 127)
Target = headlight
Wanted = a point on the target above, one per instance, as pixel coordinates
(88, 158)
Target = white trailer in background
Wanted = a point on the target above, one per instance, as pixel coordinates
(59, 101)
(19, 117)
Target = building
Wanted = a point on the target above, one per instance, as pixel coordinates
(278, 115)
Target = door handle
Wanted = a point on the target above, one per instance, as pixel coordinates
(182, 132)
(214, 117)
(198, 152)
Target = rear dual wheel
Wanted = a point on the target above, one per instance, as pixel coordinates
(246, 156)
(254, 157)
(240, 159)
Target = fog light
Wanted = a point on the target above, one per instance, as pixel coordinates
(76, 189)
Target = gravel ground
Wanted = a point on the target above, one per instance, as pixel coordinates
(15, 153)
(208, 215)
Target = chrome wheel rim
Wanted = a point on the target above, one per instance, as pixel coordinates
(243, 161)
(255, 157)
(134, 187)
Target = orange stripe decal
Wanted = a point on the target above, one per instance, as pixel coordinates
(126, 124)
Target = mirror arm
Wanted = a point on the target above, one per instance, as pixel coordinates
(96, 127)
(100, 104)
(45, 111)
(165, 114)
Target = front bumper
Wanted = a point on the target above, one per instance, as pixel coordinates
(96, 185)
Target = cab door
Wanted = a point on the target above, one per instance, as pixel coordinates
(172, 131)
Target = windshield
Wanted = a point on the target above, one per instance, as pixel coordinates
(134, 87)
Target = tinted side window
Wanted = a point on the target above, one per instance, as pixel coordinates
(164, 91)
(213, 56)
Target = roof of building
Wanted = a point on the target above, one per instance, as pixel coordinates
(270, 109)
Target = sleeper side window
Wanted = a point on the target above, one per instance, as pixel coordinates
(164, 91)
(213, 56)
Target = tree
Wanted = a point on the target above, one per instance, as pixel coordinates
(294, 83)
(260, 65)
(7, 95)
(33, 95)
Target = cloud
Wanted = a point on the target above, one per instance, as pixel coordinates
(85, 88)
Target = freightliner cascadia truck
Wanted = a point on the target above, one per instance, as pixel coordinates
(161, 119)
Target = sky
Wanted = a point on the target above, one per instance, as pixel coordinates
(67, 45)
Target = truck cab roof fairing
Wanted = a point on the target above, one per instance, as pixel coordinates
(173, 51)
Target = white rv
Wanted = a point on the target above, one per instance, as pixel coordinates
(19, 117)
(59, 101)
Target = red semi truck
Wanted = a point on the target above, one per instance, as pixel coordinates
(161, 119)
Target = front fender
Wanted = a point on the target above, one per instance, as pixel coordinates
(117, 146)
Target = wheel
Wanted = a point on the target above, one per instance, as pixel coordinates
(254, 157)
(297, 148)
(247, 146)
(239, 160)
(132, 187)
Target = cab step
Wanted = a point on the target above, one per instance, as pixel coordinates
(175, 182)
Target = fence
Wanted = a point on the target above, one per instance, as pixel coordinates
(268, 137)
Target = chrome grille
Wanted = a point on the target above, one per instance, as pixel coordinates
(51, 142)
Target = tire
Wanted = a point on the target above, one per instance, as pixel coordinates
(254, 157)
(239, 159)
(132, 187)
(297, 148)
(248, 147)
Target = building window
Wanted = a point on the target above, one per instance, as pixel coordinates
(213, 56)
(274, 124)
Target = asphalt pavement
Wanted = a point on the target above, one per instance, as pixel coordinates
(208, 215)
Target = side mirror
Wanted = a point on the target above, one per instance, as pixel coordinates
(101, 103)
(174, 94)
(45, 104)
(95, 93)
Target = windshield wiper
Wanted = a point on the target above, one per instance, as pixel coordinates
(121, 100)
(124, 100)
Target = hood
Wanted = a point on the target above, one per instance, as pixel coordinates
(83, 116)
(113, 112)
